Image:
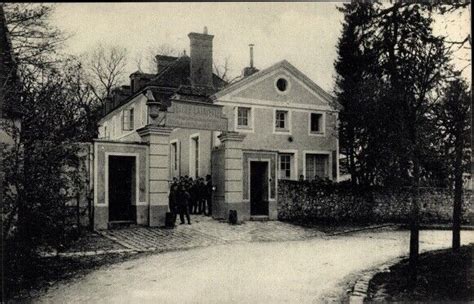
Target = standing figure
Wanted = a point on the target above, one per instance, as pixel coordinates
(183, 200)
(199, 191)
(192, 192)
(173, 204)
(209, 188)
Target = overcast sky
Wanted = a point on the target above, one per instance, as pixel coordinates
(305, 33)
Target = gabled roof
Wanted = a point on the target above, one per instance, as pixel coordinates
(282, 64)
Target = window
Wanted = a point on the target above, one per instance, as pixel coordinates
(316, 123)
(281, 120)
(128, 120)
(113, 127)
(131, 118)
(105, 132)
(282, 84)
(174, 156)
(316, 165)
(196, 156)
(285, 166)
(243, 117)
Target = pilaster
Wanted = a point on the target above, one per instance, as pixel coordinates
(158, 171)
(231, 183)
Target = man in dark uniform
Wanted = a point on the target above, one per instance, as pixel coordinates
(183, 200)
(172, 198)
(209, 188)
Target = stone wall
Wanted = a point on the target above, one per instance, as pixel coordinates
(319, 202)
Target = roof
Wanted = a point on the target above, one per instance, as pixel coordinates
(178, 74)
(174, 83)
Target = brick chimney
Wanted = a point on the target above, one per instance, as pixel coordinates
(201, 59)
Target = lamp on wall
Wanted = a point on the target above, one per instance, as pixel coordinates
(156, 110)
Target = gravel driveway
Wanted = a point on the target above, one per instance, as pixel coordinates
(270, 272)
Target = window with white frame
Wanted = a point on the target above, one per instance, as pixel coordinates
(316, 123)
(104, 134)
(285, 166)
(174, 157)
(113, 127)
(316, 166)
(243, 117)
(281, 121)
(128, 120)
(194, 157)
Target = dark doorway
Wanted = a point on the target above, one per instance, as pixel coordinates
(121, 188)
(258, 188)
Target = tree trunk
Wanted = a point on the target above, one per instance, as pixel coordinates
(458, 192)
(414, 225)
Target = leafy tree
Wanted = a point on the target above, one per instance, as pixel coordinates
(40, 166)
(388, 128)
(356, 74)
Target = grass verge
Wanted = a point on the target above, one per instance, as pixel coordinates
(443, 276)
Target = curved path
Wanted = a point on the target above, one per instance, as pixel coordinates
(260, 272)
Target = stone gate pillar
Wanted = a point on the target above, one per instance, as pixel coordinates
(158, 171)
(227, 176)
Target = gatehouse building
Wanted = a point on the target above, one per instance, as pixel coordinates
(271, 124)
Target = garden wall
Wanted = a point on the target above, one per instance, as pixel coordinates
(325, 202)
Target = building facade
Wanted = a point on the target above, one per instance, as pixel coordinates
(269, 125)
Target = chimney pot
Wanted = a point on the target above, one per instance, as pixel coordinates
(251, 54)
(250, 69)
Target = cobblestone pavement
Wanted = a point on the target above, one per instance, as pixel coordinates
(205, 231)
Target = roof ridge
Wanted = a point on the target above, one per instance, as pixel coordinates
(169, 67)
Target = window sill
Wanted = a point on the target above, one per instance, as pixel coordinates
(282, 131)
(244, 129)
(317, 133)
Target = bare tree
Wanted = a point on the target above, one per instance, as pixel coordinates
(34, 40)
(223, 71)
(106, 68)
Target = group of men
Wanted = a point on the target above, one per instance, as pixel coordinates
(190, 196)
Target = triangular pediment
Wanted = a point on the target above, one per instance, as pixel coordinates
(280, 83)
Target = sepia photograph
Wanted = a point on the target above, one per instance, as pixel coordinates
(236, 152)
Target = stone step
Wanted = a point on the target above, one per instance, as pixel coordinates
(259, 218)
(121, 224)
